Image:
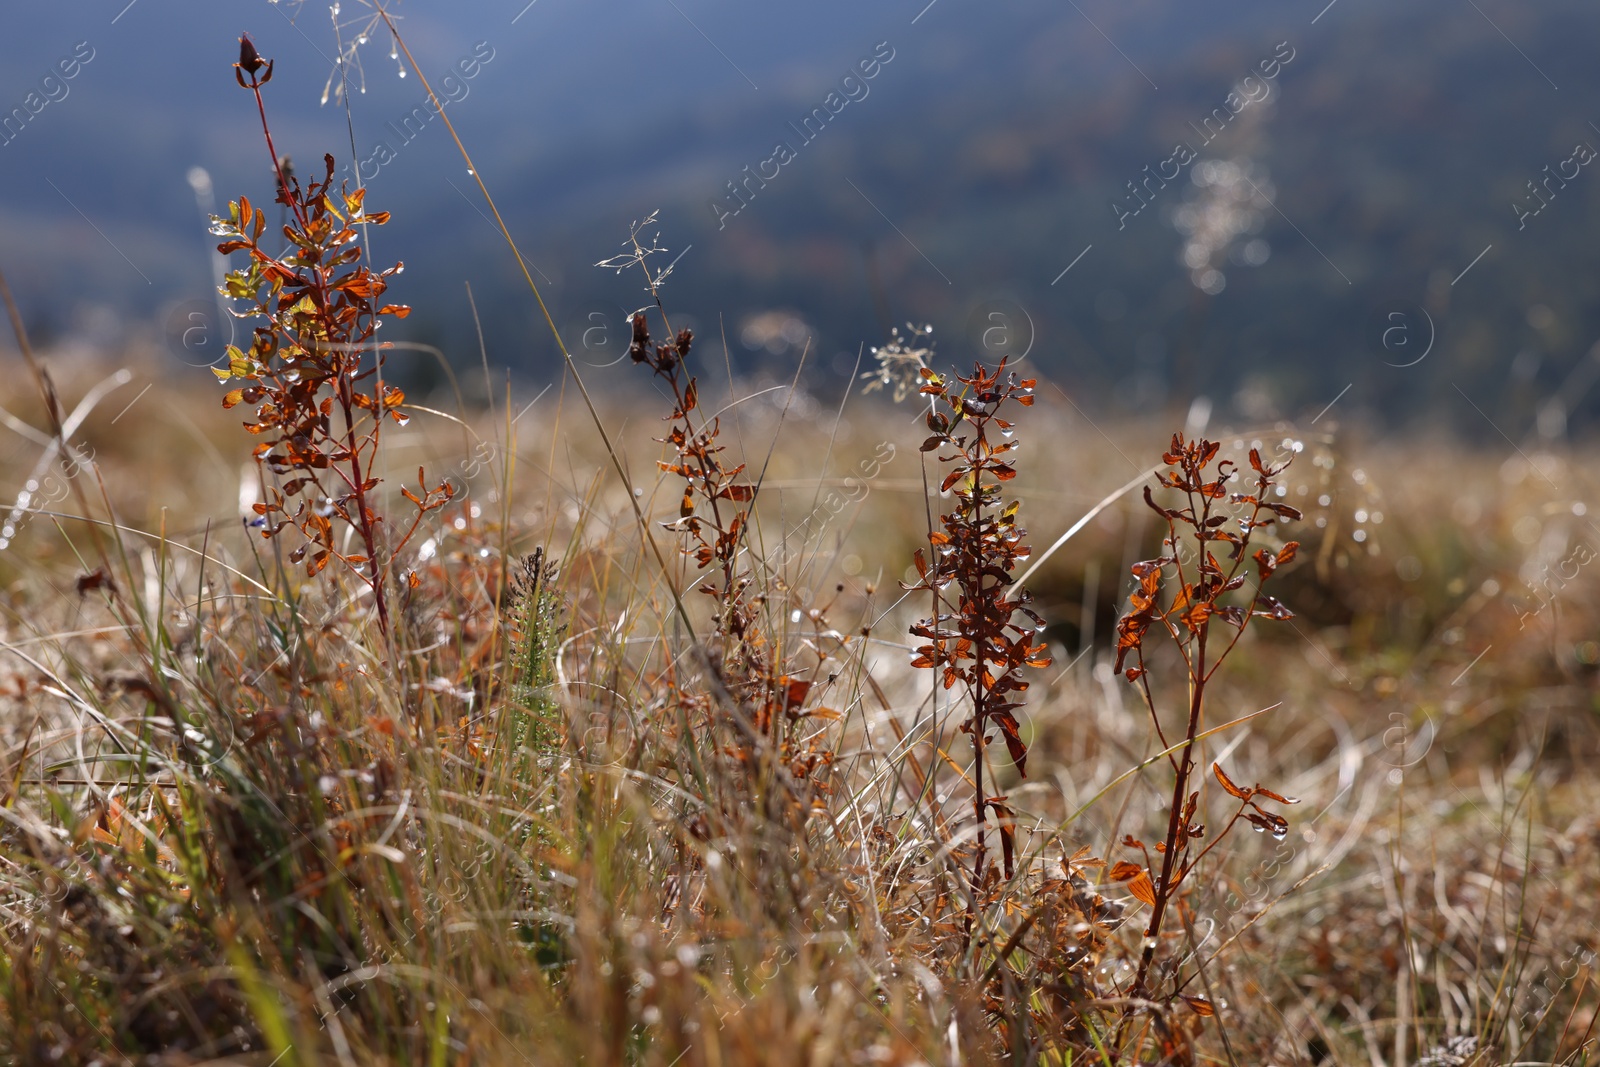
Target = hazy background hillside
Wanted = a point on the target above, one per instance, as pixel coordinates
(983, 160)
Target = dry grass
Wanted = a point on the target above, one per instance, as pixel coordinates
(362, 859)
(552, 805)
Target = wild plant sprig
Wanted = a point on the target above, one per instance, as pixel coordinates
(1187, 614)
(978, 644)
(306, 361)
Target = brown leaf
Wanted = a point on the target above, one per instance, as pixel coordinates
(1269, 822)
(1166, 513)
(1227, 783)
(1271, 608)
(1015, 746)
(1123, 870)
(1260, 791)
(1200, 1005)
(1142, 889)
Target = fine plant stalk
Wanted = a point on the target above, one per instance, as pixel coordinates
(978, 644)
(1187, 616)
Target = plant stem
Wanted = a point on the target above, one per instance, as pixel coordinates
(368, 534)
(1164, 890)
(975, 599)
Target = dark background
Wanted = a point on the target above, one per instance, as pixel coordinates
(984, 160)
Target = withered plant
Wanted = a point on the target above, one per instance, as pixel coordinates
(975, 640)
(764, 704)
(305, 373)
(1196, 597)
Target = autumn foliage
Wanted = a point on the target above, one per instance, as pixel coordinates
(319, 402)
(972, 636)
(1207, 518)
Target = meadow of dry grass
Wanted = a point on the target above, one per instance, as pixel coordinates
(237, 827)
(511, 789)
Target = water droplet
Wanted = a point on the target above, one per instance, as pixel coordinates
(794, 616)
(1280, 832)
(402, 74)
(1258, 828)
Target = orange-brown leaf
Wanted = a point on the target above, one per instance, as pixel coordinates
(1142, 889)
(1123, 870)
(1227, 783)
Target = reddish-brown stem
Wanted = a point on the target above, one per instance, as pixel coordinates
(368, 534)
(1166, 888)
(277, 165)
(979, 715)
